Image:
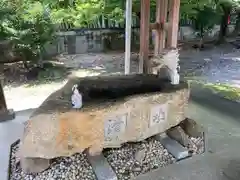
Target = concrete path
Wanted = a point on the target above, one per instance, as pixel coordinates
(10, 131)
(222, 160)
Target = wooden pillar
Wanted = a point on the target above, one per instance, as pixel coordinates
(144, 64)
(160, 32)
(173, 25)
(5, 114)
(3, 105)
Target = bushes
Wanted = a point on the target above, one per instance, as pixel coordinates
(27, 26)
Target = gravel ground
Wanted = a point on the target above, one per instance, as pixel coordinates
(224, 69)
(131, 160)
(196, 146)
(75, 167)
(219, 65)
(134, 159)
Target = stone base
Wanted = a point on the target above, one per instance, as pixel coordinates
(9, 114)
(115, 163)
(116, 110)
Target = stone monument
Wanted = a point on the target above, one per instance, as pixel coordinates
(115, 110)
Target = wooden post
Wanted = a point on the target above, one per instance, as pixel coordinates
(5, 114)
(160, 33)
(3, 105)
(172, 38)
(128, 31)
(144, 64)
(174, 6)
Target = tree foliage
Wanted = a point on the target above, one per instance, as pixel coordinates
(31, 24)
(27, 26)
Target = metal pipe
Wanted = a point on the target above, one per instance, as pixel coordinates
(128, 31)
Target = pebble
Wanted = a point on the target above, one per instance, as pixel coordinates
(197, 145)
(140, 155)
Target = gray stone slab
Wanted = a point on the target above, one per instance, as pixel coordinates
(101, 168)
(81, 44)
(10, 131)
(7, 115)
(173, 147)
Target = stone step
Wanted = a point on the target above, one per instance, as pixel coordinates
(173, 147)
(101, 167)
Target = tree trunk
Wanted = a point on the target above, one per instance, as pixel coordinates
(201, 43)
(237, 27)
(5, 114)
(3, 105)
(224, 22)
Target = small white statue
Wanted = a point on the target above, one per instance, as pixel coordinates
(76, 97)
(168, 60)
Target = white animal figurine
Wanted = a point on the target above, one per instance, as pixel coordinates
(76, 97)
(168, 60)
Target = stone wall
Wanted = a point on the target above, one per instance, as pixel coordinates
(188, 33)
(100, 40)
(93, 40)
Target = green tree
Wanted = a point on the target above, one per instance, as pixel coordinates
(225, 7)
(27, 26)
(198, 9)
(202, 21)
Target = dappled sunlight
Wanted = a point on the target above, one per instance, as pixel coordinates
(232, 58)
(32, 93)
(100, 62)
(227, 91)
(236, 59)
(236, 82)
(85, 72)
(207, 59)
(27, 97)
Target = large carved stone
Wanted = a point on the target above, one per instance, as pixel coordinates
(111, 115)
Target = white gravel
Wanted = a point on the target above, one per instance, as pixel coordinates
(75, 167)
(197, 145)
(125, 160)
(131, 160)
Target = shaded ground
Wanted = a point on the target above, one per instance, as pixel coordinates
(222, 159)
(224, 69)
